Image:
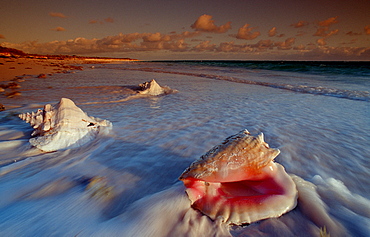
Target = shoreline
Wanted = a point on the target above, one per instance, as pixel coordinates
(14, 70)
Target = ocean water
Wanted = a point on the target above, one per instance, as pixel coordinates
(316, 113)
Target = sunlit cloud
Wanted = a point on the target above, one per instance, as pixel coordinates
(321, 32)
(156, 37)
(205, 46)
(300, 24)
(324, 32)
(328, 22)
(57, 14)
(187, 41)
(335, 53)
(367, 29)
(332, 32)
(300, 47)
(109, 20)
(2, 36)
(231, 47)
(285, 45)
(133, 42)
(321, 41)
(106, 20)
(263, 45)
(59, 28)
(206, 24)
(246, 33)
(272, 32)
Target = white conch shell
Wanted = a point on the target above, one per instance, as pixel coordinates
(63, 125)
(239, 182)
(153, 88)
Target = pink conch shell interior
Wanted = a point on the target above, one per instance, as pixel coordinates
(239, 182)
(63, 125)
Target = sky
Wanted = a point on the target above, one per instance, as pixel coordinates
(191, 29)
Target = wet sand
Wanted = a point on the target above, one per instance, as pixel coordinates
(12, 69)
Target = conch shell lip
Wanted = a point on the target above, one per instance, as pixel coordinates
(239, 182)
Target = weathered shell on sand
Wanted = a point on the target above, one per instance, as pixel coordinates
(153, 88)
(239, 182)
(63, 125)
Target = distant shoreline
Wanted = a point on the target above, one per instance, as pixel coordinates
(16, 67)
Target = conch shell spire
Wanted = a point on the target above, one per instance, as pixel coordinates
(63, 125)
(240, 154)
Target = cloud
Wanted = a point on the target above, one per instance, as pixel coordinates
(333, 32)
(156, 37)
(133, 42)
(272, 32)
(328, 22)
(57, 14)
(299, 24)
(285, 45)
(206, 24)
(109, 20)
(351, 42)
(324, 32)
(338, 53)
(367, 29)
(187, 42)
(263, 45)
(106, 20)
(231, 47)
(2, 36)
(204, 46)
(259, 47)
(59, 28)
(246, 33)
(174, 46)
(321, 41)
(351, 33)
(300, 47)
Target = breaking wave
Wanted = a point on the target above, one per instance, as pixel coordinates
(316, 90)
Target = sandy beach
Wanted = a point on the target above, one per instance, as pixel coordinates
(14, 70)
(17, 68)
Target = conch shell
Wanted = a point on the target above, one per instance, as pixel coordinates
(153, 88)
(63, 125)
(239, 182)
